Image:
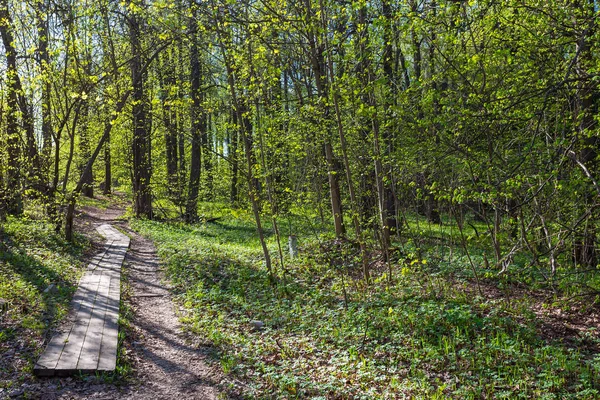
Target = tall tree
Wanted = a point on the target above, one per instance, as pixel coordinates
(12, 192)
(199, 123)
(140, 145)
(316, 50)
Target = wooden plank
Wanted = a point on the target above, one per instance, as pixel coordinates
(97, 260)
(90, 351)
(46, 364)
(91, 343)
(110, 335)
(86, 284)
(67, 363)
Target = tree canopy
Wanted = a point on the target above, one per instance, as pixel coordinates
(358, 112)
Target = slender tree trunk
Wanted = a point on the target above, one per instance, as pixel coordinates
(110, 50)
(84, 145)
(234, 159)
(12, 198)
(387, 203)
(241, 110)
(207, 157)
(107, 168)
(586, 108)
(181, 96)
(334, 191)
(252, 186)
(321, 82)
(369, 125)
(44, 61)
(269, 183)
(71, 151)
(198, 117)
(167, 81)
(344, 147)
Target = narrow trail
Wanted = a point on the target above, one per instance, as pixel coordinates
(164, 365)
(168, 367)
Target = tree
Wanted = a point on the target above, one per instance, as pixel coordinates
(199, 123)
(140, 145)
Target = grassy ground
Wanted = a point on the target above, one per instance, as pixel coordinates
(32, 257)
(428, 334)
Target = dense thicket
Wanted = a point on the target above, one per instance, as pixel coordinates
(359, 113)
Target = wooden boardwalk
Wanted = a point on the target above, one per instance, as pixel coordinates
(90, 345)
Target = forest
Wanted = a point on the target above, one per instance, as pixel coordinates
(348, 198)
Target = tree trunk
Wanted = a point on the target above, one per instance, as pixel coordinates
(107, 168)
(44, 61)
(12, 198)
(387, 203)
(84, 145)
(167, 81)
(198, 117)
(110, 50)
(252, 183)
(180, 121)
(369, 124)
(207, 158)
(141, 139)
(586, 108)
(241, 110)
(344, 147)
(321, 82)
(234, 159)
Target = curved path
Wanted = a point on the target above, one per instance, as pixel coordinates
(168, 366)
(90, 345)
(164, 363)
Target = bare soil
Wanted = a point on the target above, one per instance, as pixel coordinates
(163, 364)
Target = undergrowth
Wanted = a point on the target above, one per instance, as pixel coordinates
(32, 257)
(425, 334)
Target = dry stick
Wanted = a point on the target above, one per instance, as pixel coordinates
(385, 232)
(269, 184)
(248, 150)
(464, 244)
(340, 129)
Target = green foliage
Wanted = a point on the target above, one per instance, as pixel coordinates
(424, 336)
(32, 257)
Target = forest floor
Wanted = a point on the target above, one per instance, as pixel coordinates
(427, 333)
(156, 359)
(201, 317)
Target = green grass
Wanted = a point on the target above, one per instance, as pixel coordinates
(33, 256)
(98, 202)
(427, 335)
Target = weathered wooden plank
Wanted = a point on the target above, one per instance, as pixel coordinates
(90, 351)
(67, 363)
(110, 335)
(91, 343)
(46, 364)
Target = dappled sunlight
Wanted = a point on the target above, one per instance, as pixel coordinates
(410, 338)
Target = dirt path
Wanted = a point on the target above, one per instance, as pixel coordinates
(164, 365)
(168, 367)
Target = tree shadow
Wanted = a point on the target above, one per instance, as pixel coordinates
(36, 273)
